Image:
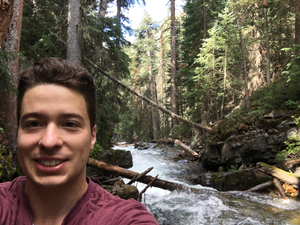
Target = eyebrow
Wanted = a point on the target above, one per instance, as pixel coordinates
(33, 114)
(43, 115)
(71, 115)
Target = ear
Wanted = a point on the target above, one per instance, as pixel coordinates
(93, 139)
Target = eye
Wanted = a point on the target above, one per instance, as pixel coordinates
(71, 124)
(33, 124)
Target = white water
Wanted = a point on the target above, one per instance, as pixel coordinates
(208, 206)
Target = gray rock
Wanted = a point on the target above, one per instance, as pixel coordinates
(247, 149)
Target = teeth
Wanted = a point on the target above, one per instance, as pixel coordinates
(50, 162)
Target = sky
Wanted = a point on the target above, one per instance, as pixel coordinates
(158, 10)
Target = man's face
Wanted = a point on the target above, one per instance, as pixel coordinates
(54, 136)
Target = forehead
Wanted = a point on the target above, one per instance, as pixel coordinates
(48, 97)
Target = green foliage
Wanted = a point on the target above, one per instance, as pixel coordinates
(97, 148)
(181, 130)
(285, 92)
(233, 168)
(7, 170)
(44, 29)
(292, 150)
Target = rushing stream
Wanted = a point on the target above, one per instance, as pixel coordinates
(208, 206)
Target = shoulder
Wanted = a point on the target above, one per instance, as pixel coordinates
(11, 194)
(13, 187)
(105, 208)
(121, 211)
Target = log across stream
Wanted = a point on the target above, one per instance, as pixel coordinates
(207, 206)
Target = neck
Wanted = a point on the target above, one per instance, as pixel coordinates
(50, 205)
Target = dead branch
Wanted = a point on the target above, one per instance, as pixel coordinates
(144, 190)
(136, 178)
(279, 188)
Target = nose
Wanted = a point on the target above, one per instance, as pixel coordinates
(51, 137)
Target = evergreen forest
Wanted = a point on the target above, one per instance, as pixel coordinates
(212, 60)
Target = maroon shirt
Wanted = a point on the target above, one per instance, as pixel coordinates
(96, 206)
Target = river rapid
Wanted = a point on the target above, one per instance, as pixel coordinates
(208, 206)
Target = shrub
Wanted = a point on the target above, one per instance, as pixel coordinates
(97, 148)
(7, 170)
(292, 150)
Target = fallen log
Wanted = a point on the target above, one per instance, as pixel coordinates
(261, 187)
(187, 148)
(167, 185)
(287, 177)
(288, 165)
(130, 174)
(166, 111)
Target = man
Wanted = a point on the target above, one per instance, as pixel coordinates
(56, 131)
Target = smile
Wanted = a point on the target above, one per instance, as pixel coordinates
(50, 162)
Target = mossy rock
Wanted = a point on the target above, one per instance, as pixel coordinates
(122, 190)
(229, 181)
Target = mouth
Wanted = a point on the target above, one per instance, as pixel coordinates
(50, 162)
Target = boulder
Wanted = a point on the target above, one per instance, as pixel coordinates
(123, 190)
(142, 145)
(121, 158)
(229, 181)
(254, 146)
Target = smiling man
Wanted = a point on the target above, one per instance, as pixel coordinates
(56, 131)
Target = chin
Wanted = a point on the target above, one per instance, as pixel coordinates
(49, 181)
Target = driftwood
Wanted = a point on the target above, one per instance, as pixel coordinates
(167, 185)
(287, 177)
(173, 115)
(279, 188)
(187, 148)
(261, 187)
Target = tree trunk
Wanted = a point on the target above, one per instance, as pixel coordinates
(119, 20)
(203, 128)
(162, 87)
(287, 177)
(74, 32)
(101, 16)
(152, 92)
(267, 45)
(224, 83)
(204, 20)
(174, 108)
(116, 88)
(247, 97)
(297, 25)
(10, 36)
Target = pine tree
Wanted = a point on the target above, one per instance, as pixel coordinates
(146, 49)
(216, 61)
